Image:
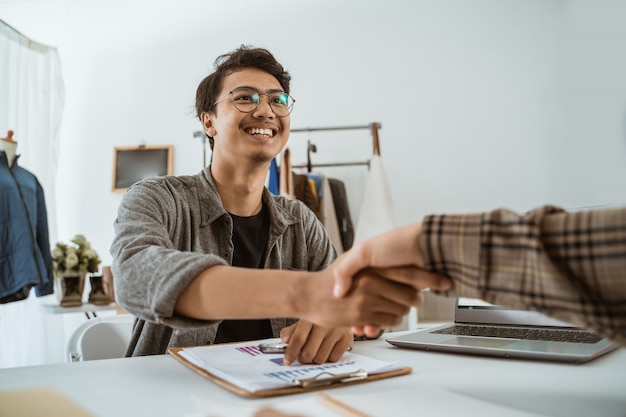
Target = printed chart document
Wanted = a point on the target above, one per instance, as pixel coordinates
(245, 367)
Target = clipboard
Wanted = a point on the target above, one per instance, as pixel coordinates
(303, 385)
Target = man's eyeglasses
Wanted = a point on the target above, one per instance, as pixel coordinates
(247, 99)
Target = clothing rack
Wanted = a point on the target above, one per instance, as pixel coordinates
(373, 127)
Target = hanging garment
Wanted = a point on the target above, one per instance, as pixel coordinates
(317, 180)
(342, 209)
(286, 175)
(313, 189)
(25, 259)
(273, 178)
(377, 214)
(302, 191)
(329, 215)
(296, 186)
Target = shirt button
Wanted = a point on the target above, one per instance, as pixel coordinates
(208, 342)
(225, 255)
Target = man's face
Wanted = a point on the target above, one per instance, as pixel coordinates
(257, 136)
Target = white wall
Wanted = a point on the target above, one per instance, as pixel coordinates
(483, 103)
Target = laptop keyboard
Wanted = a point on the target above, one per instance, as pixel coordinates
(556, 335)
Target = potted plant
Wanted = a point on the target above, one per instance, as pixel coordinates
(71, 263)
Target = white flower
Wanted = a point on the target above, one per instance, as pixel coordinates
(80, 240)
(57, 253)
(71, 260)
(78, 256)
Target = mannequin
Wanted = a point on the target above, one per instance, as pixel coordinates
(25, 245)
(9, 146)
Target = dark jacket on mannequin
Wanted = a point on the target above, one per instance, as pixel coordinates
(25, 259)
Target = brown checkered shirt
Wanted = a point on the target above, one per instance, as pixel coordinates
(568, 265)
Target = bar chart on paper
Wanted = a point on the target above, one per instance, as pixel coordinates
(303, 372)
(290, 373)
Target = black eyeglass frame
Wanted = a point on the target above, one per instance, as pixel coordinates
(289, 108)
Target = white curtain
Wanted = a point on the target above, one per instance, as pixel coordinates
(32, 97)
(377, 213)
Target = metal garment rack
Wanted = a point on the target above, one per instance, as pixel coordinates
(373, 127)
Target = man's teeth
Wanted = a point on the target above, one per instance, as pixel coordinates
(261, 132)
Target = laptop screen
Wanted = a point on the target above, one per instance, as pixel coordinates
(470, 310)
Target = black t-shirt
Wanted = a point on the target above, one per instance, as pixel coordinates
(250, 235)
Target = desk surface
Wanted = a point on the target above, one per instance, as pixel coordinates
(162, 386)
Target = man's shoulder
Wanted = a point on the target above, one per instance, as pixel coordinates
(165, 190)
(167, 181)
(291, 210)
(292, 205)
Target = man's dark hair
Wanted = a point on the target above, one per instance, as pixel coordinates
(244, 57)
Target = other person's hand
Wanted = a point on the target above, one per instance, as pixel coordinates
(396, 256)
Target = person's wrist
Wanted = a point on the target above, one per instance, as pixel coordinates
(299, 294)
(410, 239)
(416, 230)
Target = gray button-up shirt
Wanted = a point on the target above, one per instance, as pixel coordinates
(169, 229)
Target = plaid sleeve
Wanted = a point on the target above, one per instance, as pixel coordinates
(571, 266)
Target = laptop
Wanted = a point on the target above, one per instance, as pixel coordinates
(485, 329)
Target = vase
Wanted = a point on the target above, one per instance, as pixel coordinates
(69, 286)
(97, 294)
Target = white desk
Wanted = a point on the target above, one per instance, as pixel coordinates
(161, 386)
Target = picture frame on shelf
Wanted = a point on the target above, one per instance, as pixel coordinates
(134, 163)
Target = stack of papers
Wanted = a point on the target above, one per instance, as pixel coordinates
(243, 365)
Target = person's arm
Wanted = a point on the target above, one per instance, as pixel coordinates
(266, 293)
(566, 265)
(569, 266)
(322, 334)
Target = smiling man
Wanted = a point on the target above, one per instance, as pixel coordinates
(216, 258)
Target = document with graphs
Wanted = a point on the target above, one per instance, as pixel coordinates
(244, 369)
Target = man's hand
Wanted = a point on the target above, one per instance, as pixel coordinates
(310, 343)
(372, 300)
(394, 255)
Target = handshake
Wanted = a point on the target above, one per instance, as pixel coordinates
(373, 285)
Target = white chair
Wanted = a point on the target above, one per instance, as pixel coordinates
(100, 338)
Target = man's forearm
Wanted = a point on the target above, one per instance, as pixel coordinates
(224, 292)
